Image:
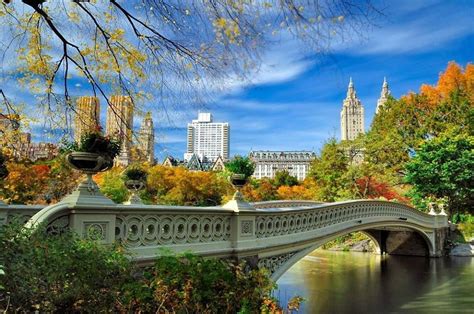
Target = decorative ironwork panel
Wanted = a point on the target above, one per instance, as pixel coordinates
(144, 230)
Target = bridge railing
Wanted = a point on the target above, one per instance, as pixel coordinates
(238, 228)
(20, 213)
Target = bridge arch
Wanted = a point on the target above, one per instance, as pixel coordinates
(280, 264)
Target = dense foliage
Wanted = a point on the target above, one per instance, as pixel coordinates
(241, 165)
(63, 273)
(58, 273)
(47, 182)
(443, 168)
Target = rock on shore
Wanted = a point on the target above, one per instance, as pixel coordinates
(463, 249)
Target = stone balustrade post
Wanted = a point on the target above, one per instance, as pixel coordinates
(3, 213)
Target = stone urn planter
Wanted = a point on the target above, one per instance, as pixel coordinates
(135, 180)
(238, 181)
(134, 186)
(90, 164)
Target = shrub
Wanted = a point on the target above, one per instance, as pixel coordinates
(192, 284)
(63, 273)
(58, 273)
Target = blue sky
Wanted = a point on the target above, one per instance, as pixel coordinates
(297, 104)
(294, 102)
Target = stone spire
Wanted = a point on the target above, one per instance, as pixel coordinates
(351, 93)
(383, 96)
(352, 115)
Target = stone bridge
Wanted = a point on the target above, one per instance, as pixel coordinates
(274, 235)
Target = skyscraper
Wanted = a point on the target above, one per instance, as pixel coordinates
(120, 124)
(87, 116)
(207, 139)
(146, 139)
(383, 96)
(352, 115)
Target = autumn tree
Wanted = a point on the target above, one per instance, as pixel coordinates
(173, 47)
(404, 124)
(179, 186)
(17, 190)
(111, 185)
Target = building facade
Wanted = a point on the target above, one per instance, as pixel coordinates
(352, 115)
(146, 140)
(120, 126)
(383, 96)
(268, 163)
(86, 117)
(207, 139)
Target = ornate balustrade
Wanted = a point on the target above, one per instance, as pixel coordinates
(284, 204)
(20, 213)
(220, 231)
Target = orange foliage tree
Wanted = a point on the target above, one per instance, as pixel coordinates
(179, 186)
(25, 183)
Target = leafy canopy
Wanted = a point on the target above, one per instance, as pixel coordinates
(241, 165)
(443, 168)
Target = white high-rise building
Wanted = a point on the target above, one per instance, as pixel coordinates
(207, 139)
(352, 115)
(383, 96)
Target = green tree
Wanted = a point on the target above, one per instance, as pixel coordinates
(283, 177)
(442, 168)
(329, 171)
(111, 184)
(241, 165)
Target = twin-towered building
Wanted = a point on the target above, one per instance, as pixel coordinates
(119, 125)
(352, 113)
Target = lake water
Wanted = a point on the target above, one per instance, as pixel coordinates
(349, 282)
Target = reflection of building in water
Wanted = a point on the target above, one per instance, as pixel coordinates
(120, 125)
(86, 117)
(268, 163)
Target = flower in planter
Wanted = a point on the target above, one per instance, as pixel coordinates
(135, 173)
(95, 143)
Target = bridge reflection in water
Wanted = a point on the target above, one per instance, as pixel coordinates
(274, 235)
(353, 282)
